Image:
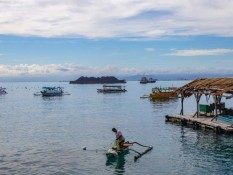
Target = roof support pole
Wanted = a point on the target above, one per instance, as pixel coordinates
(182, 104)
(198, 97)
(215, 97)
(215, 104)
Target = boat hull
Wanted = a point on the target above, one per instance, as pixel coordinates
(110, 91)
(2, 91)
(163, 95)
(112, 153)
(51, 94)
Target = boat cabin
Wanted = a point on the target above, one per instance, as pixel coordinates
(112, 89)
(52, 91)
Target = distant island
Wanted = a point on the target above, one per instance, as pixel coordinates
(98, 80)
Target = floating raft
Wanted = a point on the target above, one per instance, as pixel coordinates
(201, 123)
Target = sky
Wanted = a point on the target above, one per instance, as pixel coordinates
(57, 39)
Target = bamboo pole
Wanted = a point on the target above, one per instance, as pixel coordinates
(141, 154)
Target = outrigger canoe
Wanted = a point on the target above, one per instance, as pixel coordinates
(112, 153)
(115, 151)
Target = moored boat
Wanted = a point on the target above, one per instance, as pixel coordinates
(2, 91)
(112, 89)
(162, 93)
(145, 80)
(52, 91)
(151, 80)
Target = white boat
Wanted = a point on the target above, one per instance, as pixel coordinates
(52, 91)
(112, 153)
(112, 89)
(2, 91)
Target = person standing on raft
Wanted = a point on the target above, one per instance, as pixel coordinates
(119, 138)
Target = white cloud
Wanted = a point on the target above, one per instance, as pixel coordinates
(201, 52)
(150, 49)
(73, 71)
(111, 18)
(62, 70)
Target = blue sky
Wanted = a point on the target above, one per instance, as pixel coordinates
(68, 39)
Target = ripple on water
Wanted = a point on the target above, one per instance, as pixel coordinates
(46, 135)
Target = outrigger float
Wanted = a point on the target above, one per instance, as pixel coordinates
(213, 116)
(115, 151)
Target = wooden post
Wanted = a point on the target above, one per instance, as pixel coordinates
(198, 97)
(215, 97)
(182, 104)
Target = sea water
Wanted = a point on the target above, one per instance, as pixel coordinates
(46, 135)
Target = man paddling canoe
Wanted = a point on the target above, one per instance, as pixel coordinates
(120, 140)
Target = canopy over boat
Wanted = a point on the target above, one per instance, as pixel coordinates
(112, 89)
(52, 91)
(162, 93)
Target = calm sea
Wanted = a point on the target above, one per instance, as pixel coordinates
(45, 135)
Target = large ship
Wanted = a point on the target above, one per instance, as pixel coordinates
(145, 80)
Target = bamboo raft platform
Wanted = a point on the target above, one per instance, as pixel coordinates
(201, 122)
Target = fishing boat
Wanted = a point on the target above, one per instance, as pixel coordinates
(145, 80)
(112, 89)
(116, 151)
(163, 93)
(52, 91)
(151, 80)
(113, 153)
(2, 91)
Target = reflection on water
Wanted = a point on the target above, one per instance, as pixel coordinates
(117, 162)
(164, 101)
(200, 147)
(54, 98)
(45, 135)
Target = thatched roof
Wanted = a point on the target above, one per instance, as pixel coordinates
(215, 86)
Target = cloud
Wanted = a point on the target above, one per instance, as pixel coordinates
(201, 52)
(111, 19)
(150, 49)
(58, 72)
(62, 70)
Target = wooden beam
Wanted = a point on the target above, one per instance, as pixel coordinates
(224, 91)
(141, 154)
